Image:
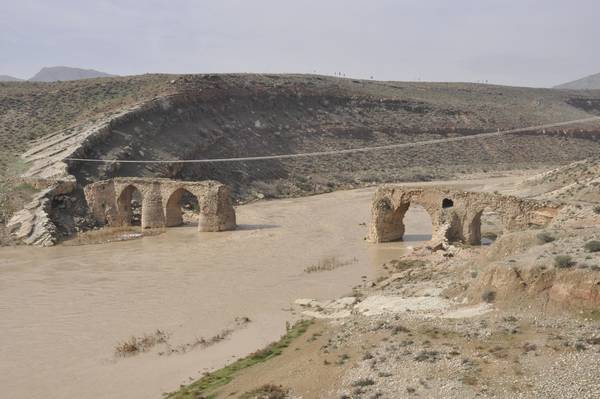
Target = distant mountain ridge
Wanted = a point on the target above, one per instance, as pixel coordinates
(591, 82)
(6, 78)
(63, 73)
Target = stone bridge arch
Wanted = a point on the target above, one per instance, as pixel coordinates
(172, 205)
(108, 202)
(455, 215)
(124, 202)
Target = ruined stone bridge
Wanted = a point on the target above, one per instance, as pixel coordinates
(455, 215)
(110, 202)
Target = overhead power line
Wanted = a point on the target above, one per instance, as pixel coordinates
(347, 151)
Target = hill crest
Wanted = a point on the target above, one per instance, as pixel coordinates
(64, 73)
(591, 82)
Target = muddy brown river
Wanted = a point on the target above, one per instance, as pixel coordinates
(64, 309)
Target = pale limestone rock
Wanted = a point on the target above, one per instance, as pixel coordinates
(32, 225)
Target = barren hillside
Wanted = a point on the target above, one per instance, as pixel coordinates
(579, 181)
(591, 82)
(204, 116)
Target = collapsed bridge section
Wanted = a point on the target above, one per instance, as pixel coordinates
(110, 202)
(455, 214)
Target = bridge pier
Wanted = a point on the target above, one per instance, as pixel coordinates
(455, 214)
(153, 215)
(215, 213)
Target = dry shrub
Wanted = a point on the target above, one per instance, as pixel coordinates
(488, 296)
(268, 391)
(240, 322)
(592, 246)
(363, 382)
(405, 264)
(329, 263)
(140, 344)
(545, 237)
(563, 261)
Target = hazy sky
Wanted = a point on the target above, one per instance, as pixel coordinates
(519, 42)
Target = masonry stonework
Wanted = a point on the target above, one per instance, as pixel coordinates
(109, 202)
(455, 214)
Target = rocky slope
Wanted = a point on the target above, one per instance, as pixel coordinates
(579, 181)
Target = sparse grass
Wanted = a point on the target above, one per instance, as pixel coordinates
(13, 193)
(204, 343)
(144, 343)
(469, 380)
(363, 382)
(593, 315)
(399, 329)
(212, 381)
(592, 246)
(329, 263)
(563, 261)
(545, 237)
(342, 359)
(25, 187)
(427, 356)
(529, 347)
(268, 391)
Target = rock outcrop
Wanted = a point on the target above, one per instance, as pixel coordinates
(33, 224)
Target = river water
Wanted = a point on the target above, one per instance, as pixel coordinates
(64, 309)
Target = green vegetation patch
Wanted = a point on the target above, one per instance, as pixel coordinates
(202, 387)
